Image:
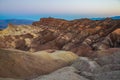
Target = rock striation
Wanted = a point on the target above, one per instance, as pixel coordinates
(46, 50)
(24, 65)
(88, 69)
(80, 36)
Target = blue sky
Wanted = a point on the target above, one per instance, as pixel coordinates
(68, 9)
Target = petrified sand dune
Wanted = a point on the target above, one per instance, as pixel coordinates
(20, 64)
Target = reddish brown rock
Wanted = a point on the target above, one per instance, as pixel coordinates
(81, 36)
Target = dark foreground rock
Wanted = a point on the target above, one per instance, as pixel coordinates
(28, 65)
(67, 73)
(87, 69)
(84, 64)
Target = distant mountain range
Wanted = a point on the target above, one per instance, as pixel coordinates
(4, 23)
(115, 17)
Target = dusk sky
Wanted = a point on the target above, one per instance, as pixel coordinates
(67, 9)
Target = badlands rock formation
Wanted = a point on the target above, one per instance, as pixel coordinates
(20, 64)
(87, 69)
(79, 36)
(29, 51)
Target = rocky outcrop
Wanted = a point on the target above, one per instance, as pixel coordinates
(82, 36)
(105, 67)
(67, 73)
(84, 64)
(42, 45)
(88, 69)
(18, 36)
(24, 65)
(19, 30)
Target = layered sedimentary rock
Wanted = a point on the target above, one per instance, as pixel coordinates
(79, 36)
(101, 68)
(39, 50)
(21, 64)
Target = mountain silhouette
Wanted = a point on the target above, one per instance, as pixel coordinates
(4, 23)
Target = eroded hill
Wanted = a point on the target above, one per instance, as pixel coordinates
(51, 44)
(80, 36)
